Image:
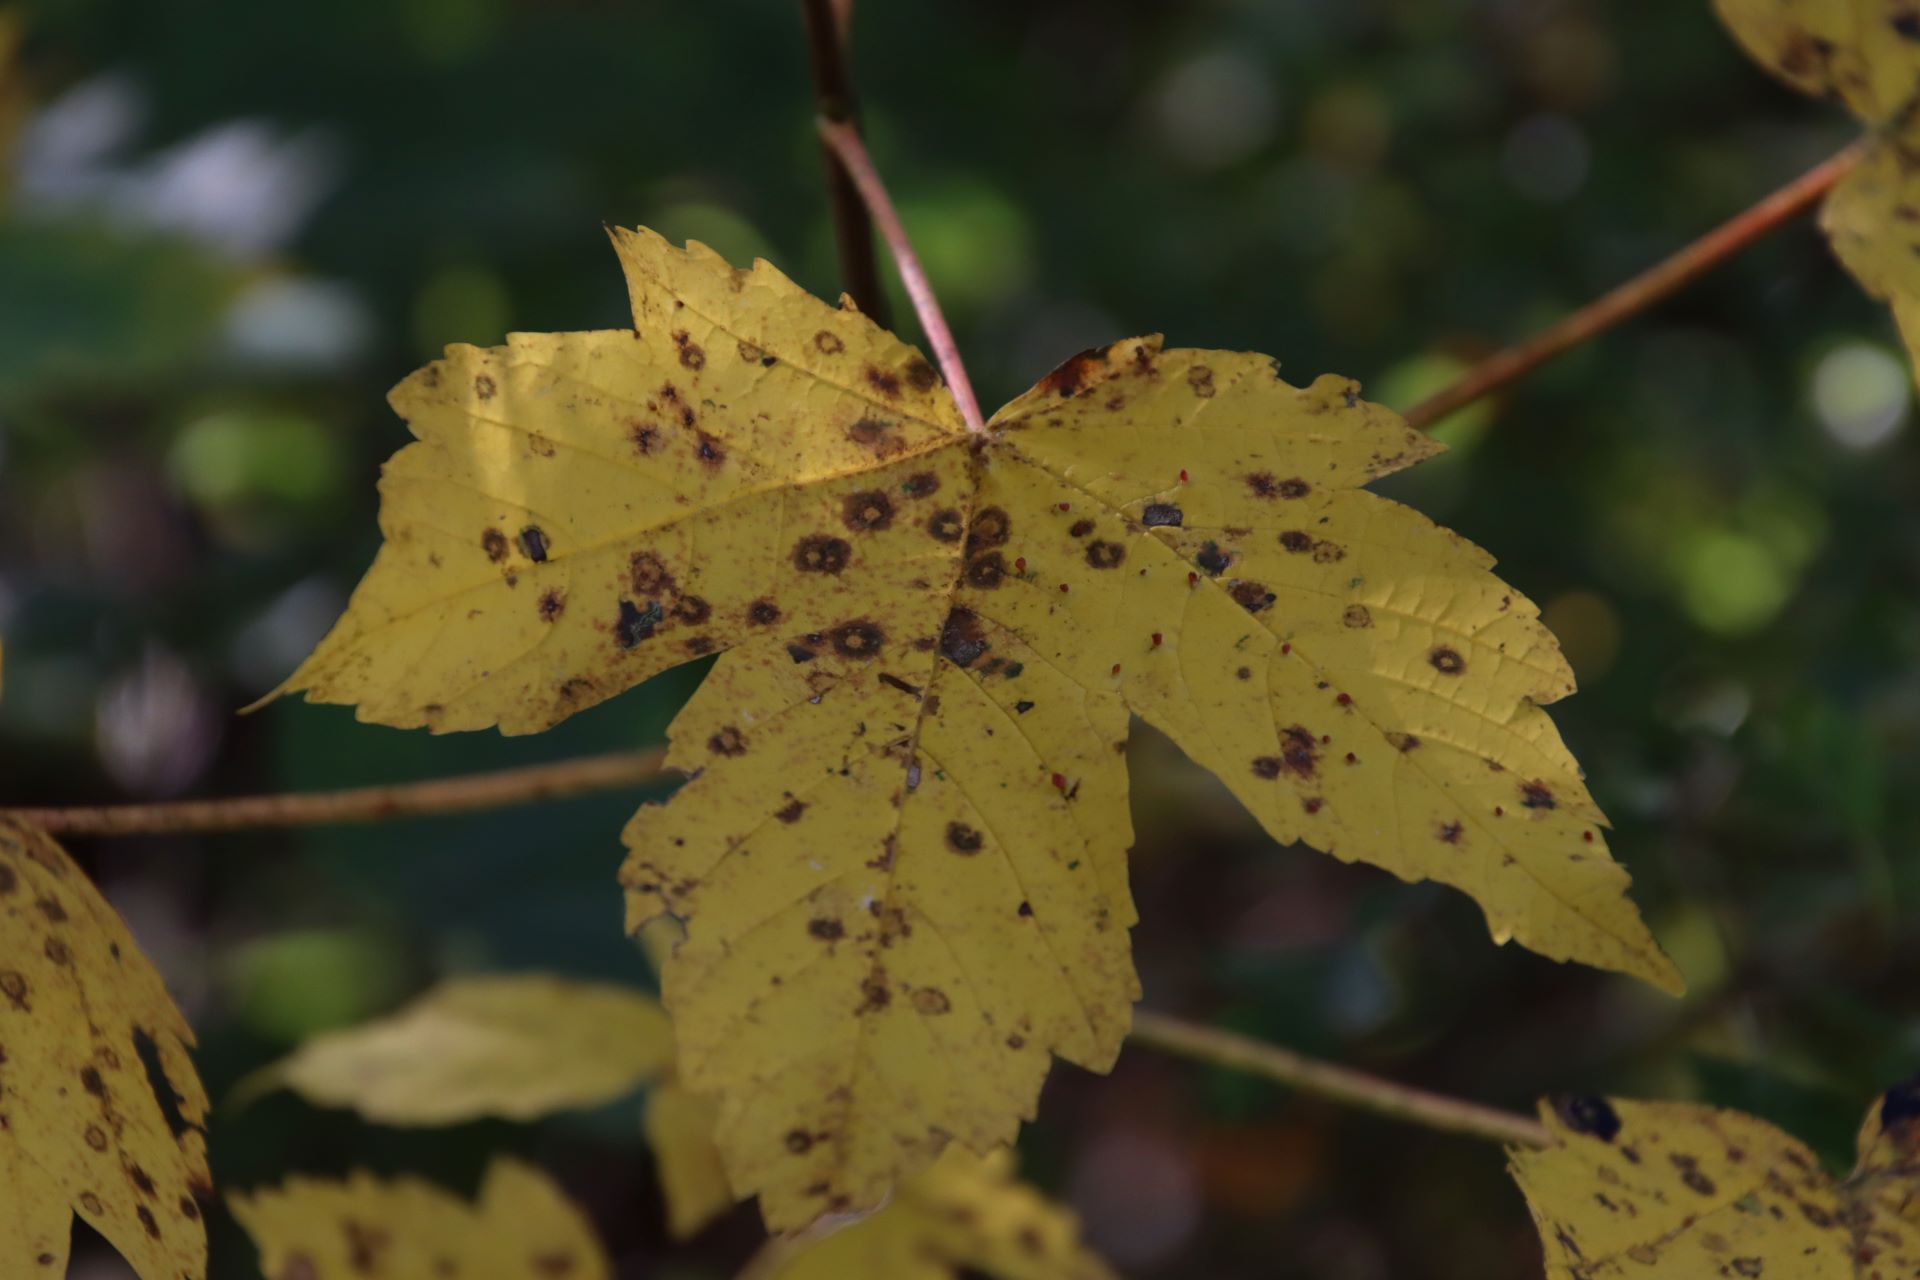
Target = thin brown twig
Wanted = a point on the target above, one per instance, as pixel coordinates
(846, 144)
(834, 99)
(1341, 1084)
(492, 790)
(1639, 293)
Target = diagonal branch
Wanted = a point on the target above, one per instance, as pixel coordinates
(362, 804)
(846, 144)
(1341, 1084)
(828, 24)
(1641, 292)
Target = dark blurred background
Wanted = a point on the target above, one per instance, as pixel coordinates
(227, 227)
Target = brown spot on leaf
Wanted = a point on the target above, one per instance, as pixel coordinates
(921, 484)
(1328, 552)
(1102, 554)
(961, 640)
(821, 553)
(1212, 560)
(1536, 795)
(887, 384)
(826, 929)
(861, 639)
(799, 1141)
(1267, 767)
(963, 839)
(986, 572)
(96, 1138)
(1073, 374)
(1447, 662)
(1299, 751)
(990, 528)
(945, 525)
(1297, 541)
(691, 355)
(644, 436)
(692, 610)
(483, 386)
(56, 951)
(921, 376)
(494, 543)
(790, 812)
(828, 344)
(1689, 1168)
(553, 603)
(1251, 596)
(931, 1001)
(1449, 832)
(708, 449)
(1200, 378)
(729, 741)
(867, 511)
(1080, 528)
(1357, 615)
(635, 624)
(90, 1081)
(874, 993)
(763, 613)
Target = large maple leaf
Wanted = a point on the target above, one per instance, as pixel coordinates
(901, 855)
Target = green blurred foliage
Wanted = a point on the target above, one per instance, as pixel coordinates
(226, 228)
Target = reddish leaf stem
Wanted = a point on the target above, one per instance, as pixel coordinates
(1639, 293)
(361, 804)
(846, 144)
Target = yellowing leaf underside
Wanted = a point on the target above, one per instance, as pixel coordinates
(84, 1132)
(521, 1228)
(901, 857)
(1671, 1191)
(518, 1046)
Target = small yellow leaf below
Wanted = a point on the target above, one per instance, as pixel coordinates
(964, 1216)
(522, 1228)
(518, 1046)
(901, 854)
(84, 1131)
(1675, 1191)
(680, 1130)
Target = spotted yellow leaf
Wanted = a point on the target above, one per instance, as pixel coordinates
(1674, 1191)
(901, 856)
(513, 1045)
(523, 1227)
(1866, 54)
(82, 1013)
(964, 1216)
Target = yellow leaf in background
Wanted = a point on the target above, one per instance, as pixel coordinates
(679, 1128)
(901, 859)
(519, 1046)
(522, 1228)
(964, 1216)
(85, 1132)
(1674, 1191)
(1866, 53)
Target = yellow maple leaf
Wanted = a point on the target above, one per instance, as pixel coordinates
(513, 1045)
(901, 858)
(1674, 1191)
(1866, 53)
(523, 1227)
(80, 1010)
(966, 1215)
